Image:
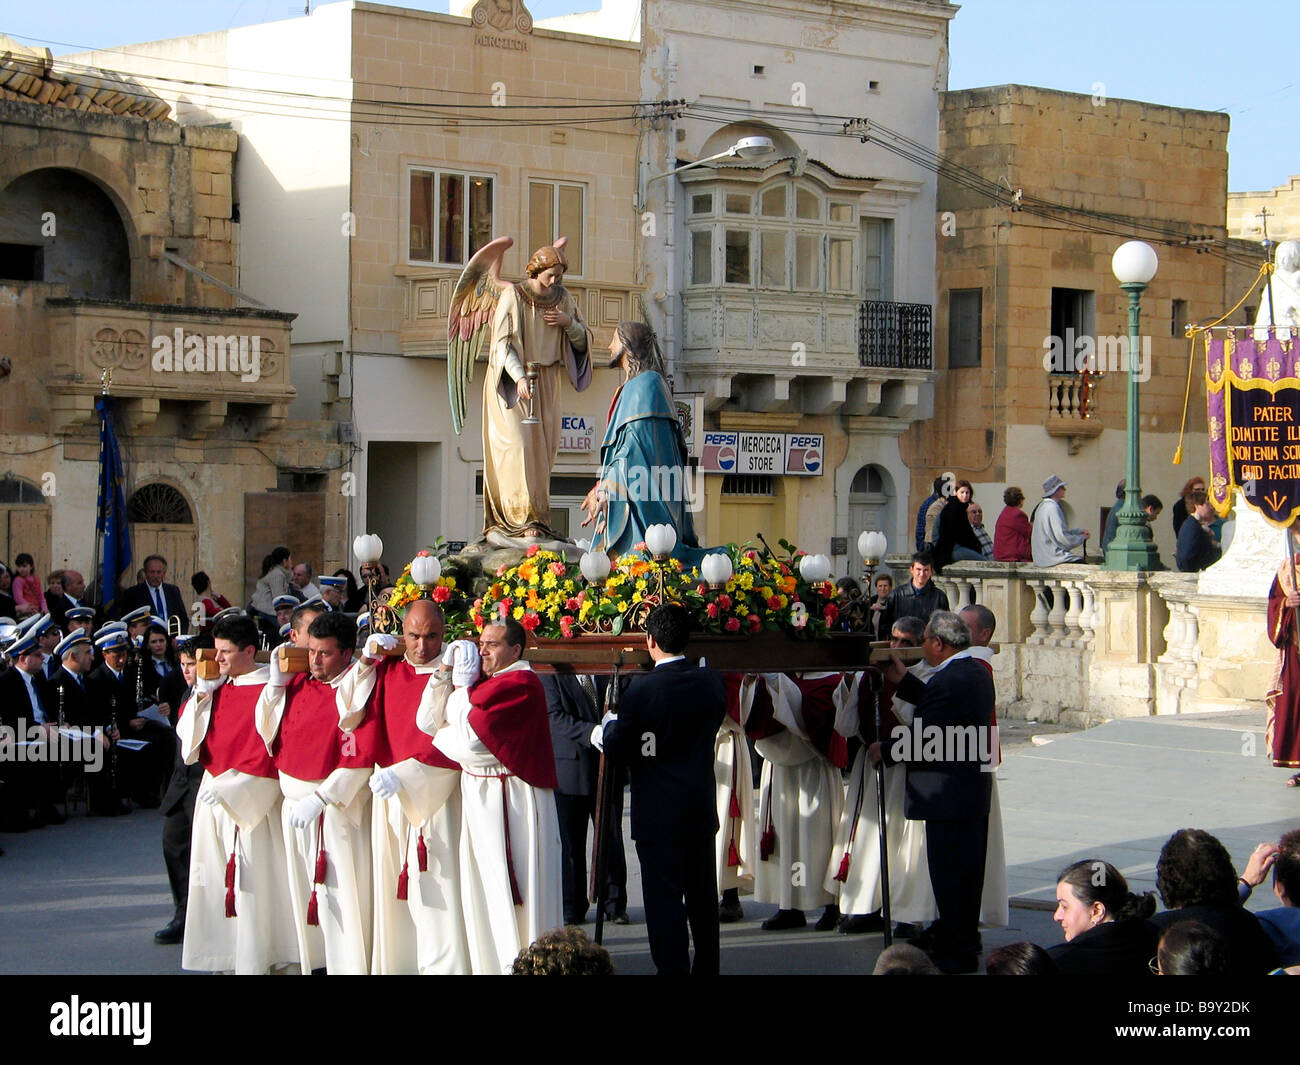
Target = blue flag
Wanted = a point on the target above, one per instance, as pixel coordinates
(111, 529)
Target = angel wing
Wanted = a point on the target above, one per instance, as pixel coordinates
(469, 321)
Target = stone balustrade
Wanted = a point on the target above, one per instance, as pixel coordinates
(1080, 644)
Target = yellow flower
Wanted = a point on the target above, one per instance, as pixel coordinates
(641, 585)
(621, 605)
(518, 613)
(587, 607)
(548, 580)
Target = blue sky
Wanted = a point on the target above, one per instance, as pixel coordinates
(1187, 53)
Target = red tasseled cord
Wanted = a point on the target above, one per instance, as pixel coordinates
(230, 877)
(313, 914)
(843, 874)
(733, 855)
(735, 805)
(767, 844)
(322, 863)
(422, 854)
(403, 878)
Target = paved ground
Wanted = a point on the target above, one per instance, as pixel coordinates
(86, 897)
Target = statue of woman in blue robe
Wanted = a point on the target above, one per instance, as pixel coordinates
(643, 477)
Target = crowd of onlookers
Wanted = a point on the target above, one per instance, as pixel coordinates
(950, 526)
(1204, 930)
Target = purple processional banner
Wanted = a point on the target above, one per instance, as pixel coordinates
(1253, 396)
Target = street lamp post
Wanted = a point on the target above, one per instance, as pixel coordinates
(1134, 265)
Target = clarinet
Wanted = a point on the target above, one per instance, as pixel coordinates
(112, 758)
(139, 677)
(62, 695)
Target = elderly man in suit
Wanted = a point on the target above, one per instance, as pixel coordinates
(574, 705)
(664, 732)
(949, 781)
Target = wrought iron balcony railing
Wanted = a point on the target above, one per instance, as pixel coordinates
(895, 335)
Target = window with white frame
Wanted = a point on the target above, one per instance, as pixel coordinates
(795, 238)
(450, 215)
(558, 209)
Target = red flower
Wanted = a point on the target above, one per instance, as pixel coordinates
(702, 589)
(754, 623)
(831, 613)
(752, 555)
(724, 601)
(712, 610)
(505, 605)
(503, 611)
(571, 604)
(479, 620)
(774, 603)
(501, 569)
(732, 625)
(423, 554)
(566, 627)
(532, 550)
(441, 594)
(557, 568)
(530, 621)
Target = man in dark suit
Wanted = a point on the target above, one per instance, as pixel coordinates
(178, 802)
(664, 732)
(163, 600)
(575, 704)
(28, 789)
(113, 683)
(948, 787)
(72, 595)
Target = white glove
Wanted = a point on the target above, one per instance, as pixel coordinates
(598, 738)
(209, 796)
(307, 810)
(377, 643)
(464, 662)
(385, 783)
(279, 678)
(207, 687)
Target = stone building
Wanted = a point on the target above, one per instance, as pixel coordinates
(1282, 204)
(379, 148)
(118, 243)
(1026, 271)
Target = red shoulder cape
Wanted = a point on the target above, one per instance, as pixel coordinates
(819, 718)
(508, 713)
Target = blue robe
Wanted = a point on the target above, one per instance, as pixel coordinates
(643, 466)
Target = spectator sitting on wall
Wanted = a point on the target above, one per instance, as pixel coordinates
(1051, 542)
(975, 514)
(955, 540)
(923, 515)
(1011, 534)
(1112, 519)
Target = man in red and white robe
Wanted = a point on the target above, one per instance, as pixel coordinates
(237, 918)
(737, 852)
(325, 816)
(499, 731)
(801, 796)
(415, 821)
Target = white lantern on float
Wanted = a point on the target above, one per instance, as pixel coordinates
(368, 548)
(594, 566)
(716, 570)
(425, 570)
(661, 539)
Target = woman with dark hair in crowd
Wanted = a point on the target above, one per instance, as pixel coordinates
(955, 540)
(1181, 512)
(1191, 948)
(273, 583)
(1021, 959)
(353, 597)
(1106, 927)
(1012, 532)
(1196, 880)
(212, 602)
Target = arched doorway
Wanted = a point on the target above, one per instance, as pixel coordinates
(872, 502)
(24, 522)
(60, 227)
(162, 523)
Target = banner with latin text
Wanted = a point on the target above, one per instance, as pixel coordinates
(1253, 395)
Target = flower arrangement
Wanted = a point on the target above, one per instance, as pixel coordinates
(449, 593)
(550, 599)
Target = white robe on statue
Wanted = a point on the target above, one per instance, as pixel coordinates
(496, 928)
(341, 941)
(800, 798)
(424, 934)
(260, 937)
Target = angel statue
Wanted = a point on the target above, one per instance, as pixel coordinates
(536, 329)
